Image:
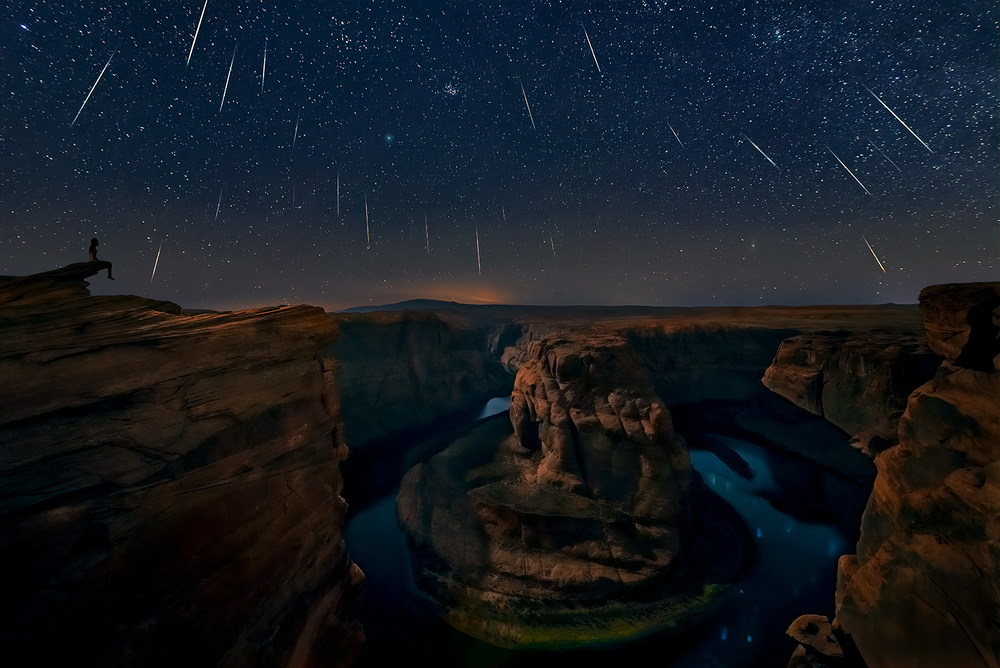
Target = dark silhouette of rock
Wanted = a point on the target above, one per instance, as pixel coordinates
(169, 483)
(405, 370)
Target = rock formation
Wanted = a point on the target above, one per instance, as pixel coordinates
(404, 371)
(169, 483)
(858, 381)
(924, 587)
(585, 525)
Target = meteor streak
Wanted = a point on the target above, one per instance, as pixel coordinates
(233, 60)
(263, 69)
(758, 149)
(156, 263)
(296, 134)
(527, 105)
(427, 235)
(592, 50)
(873, 253)
(94, 86)
(553, 244)
(682, 143)
(898, 118)
(338, 194)
(219, 205)
(883, 154)
(367, 229)
(196, 31)
(479, 261)
(847, 168)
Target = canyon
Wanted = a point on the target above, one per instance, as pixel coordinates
(171, 481)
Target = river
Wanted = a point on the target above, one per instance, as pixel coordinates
(795, 574)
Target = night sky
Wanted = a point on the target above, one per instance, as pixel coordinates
(643, 173)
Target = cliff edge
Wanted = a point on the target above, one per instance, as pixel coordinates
(169, 483)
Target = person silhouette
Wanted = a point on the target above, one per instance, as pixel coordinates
(93, 257)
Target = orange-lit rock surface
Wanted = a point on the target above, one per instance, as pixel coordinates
(169, 483)
(924, 587)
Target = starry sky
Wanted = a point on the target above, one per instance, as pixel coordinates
(656, 152)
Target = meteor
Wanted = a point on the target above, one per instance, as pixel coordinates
(682, 143)
(367, 229)
(479, 261)
(219, 205)
(527, 105)
(883, 154)
(553, 244)
(847, 168)
(94, 86)
(592, 50)
(263, 69)
(427, 235)
(873, 253)
(295, 135)
(227, 78)
(758, 149)
(338, 194)
(898, 118)
(156, 263)
(196, 31)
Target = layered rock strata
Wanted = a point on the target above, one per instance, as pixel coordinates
(404, 371)
(169, 483)
(858, 381)
(924, 587)
(586, 524)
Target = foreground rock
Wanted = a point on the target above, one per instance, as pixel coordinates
(584, 525)
(924, 587)
(169, 484)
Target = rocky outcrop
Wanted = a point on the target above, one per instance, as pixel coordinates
(169, 483)
(858, 381)
(924, 587)
(404, 371)
(585, 524)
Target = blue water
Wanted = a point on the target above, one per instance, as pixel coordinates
(795, 574)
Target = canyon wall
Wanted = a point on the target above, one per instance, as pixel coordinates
(923, 589)
(169, 483)
(402, 371)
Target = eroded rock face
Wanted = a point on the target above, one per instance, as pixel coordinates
(924, 587)
(600, 428)
(403, 371)
(585, 525)
(858, 381)
(169, 484)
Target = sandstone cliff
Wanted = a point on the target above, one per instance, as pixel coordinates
(404, 371)
(924, 587)
(858, 381)
(169, 483)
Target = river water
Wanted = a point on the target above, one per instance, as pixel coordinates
(795, 574)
